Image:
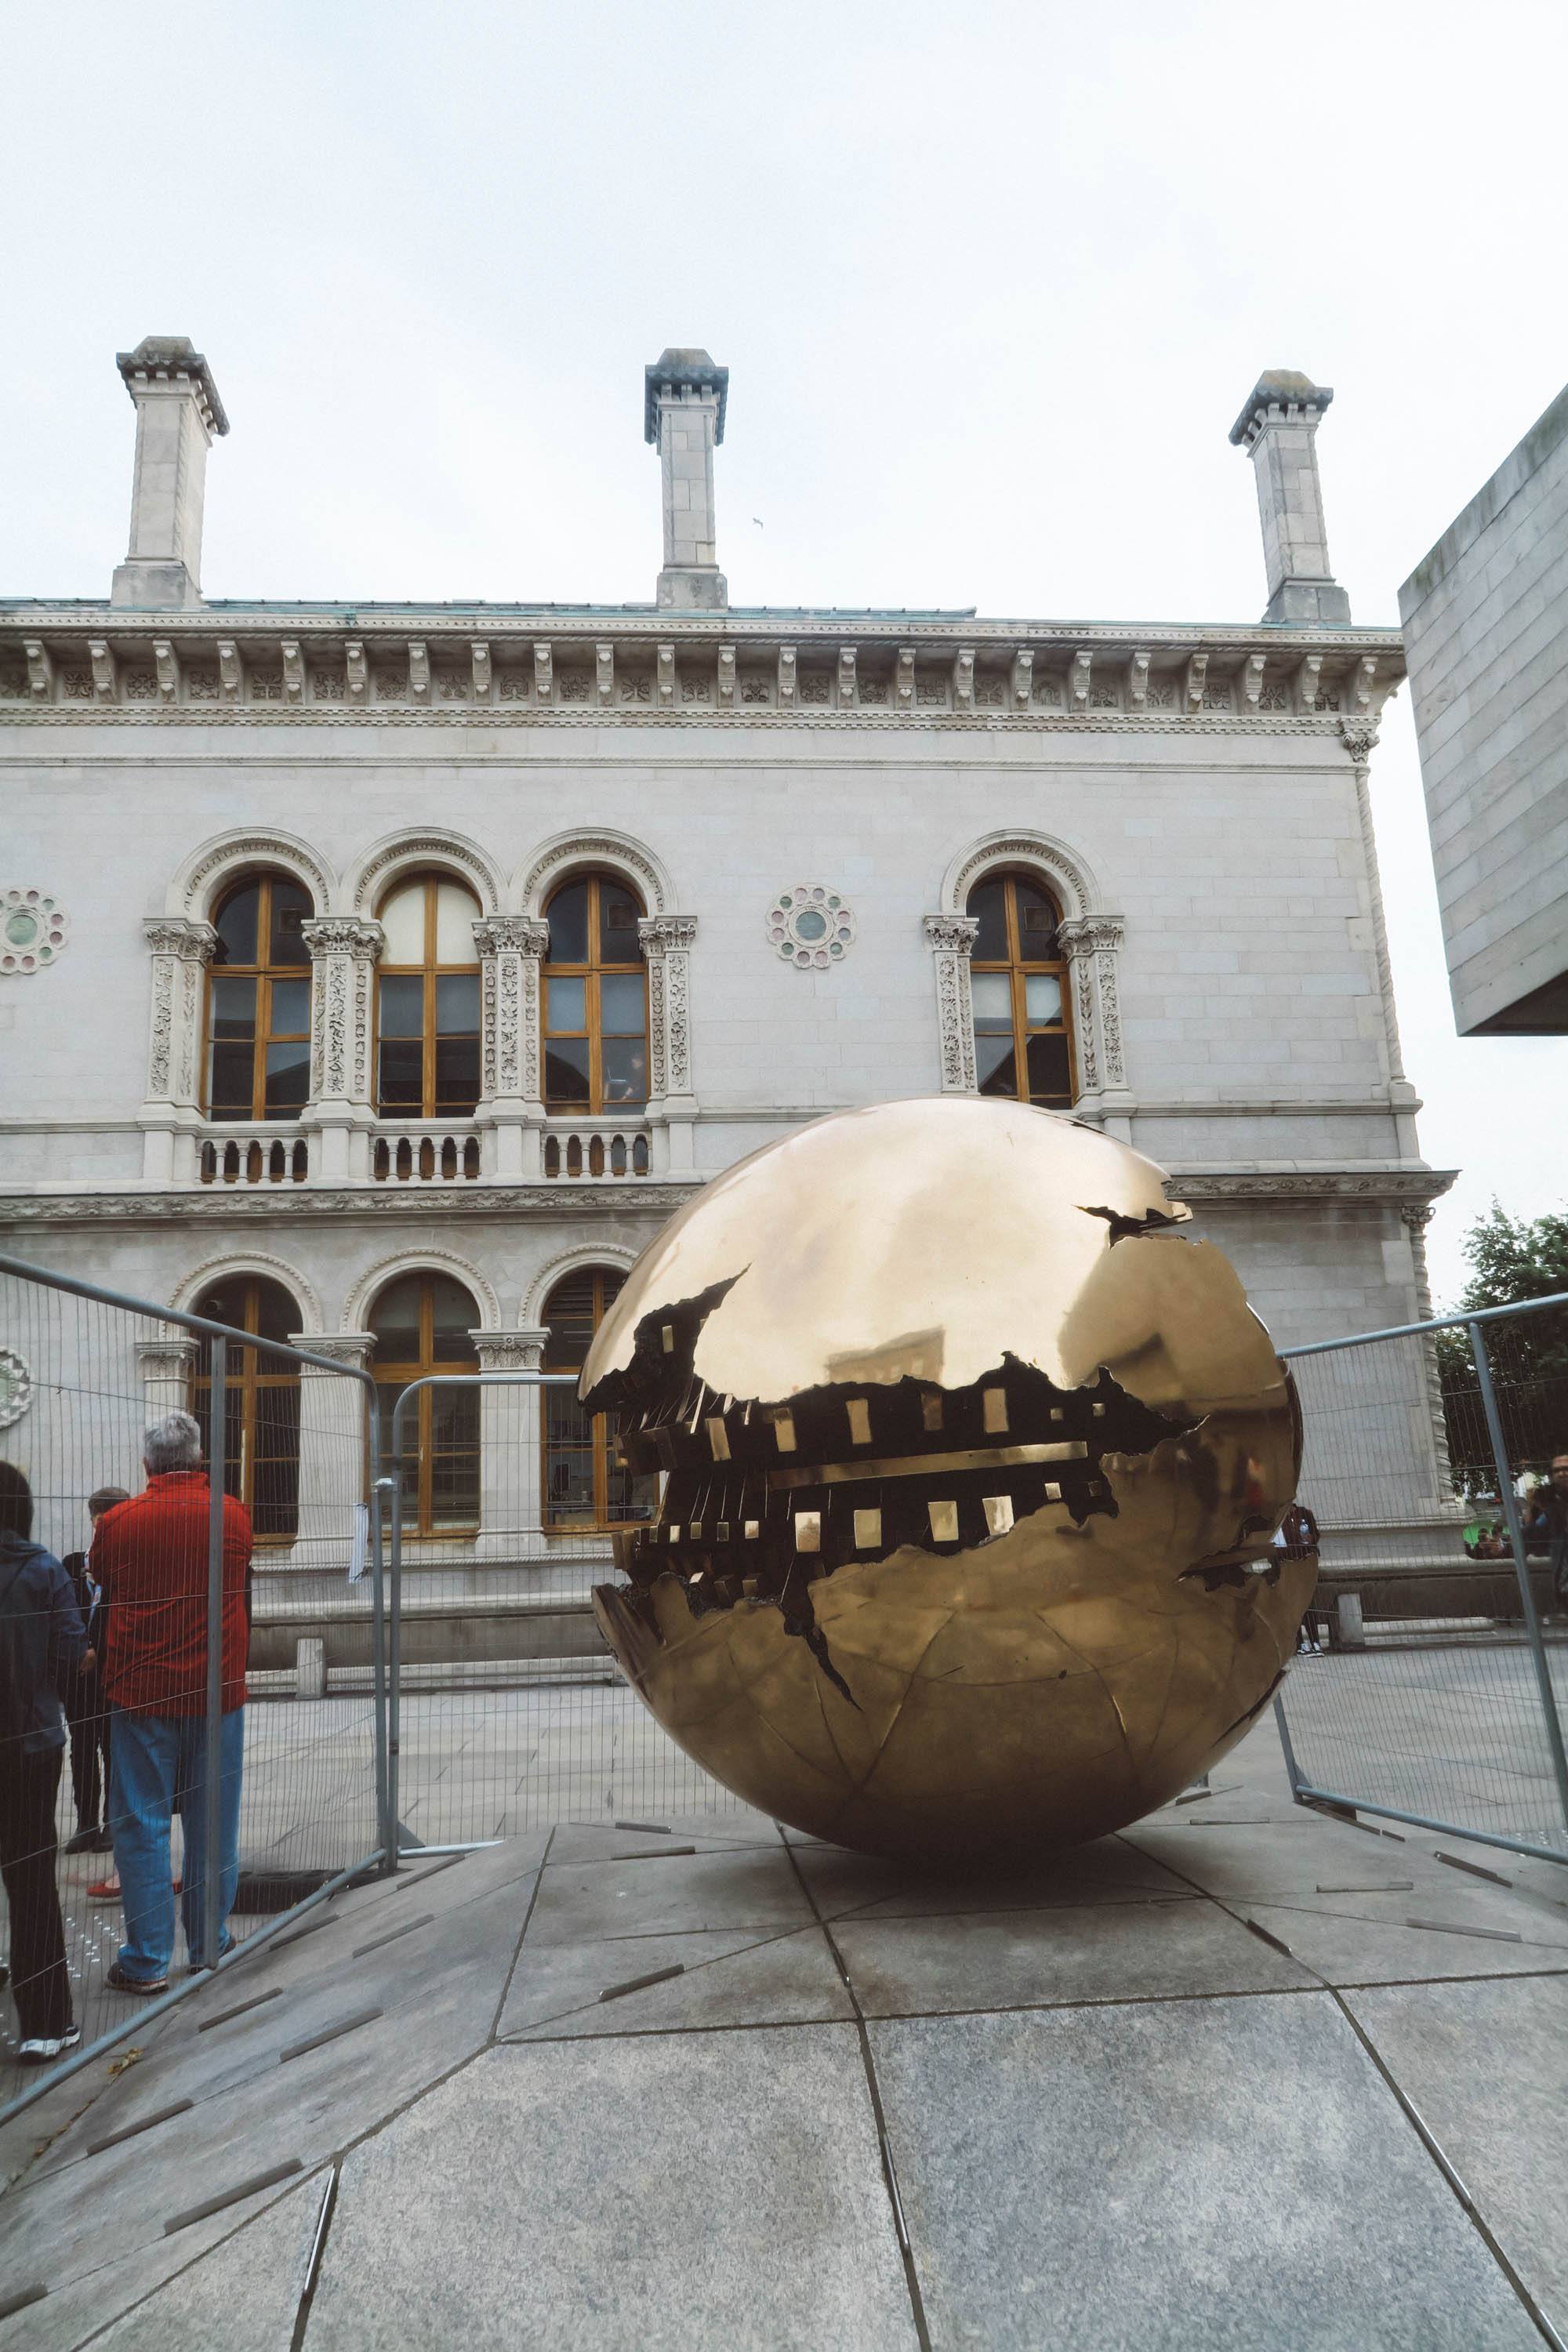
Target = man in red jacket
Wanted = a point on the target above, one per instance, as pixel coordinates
(150, 1554)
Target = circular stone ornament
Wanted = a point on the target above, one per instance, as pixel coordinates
(32, 930)
(811, 926)
(15, 1386)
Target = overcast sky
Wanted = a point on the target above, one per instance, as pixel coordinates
(992, 282)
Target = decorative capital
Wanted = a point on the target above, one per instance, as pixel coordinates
(659, 933)
(952, 934)
(513, 934)
(178, 935)
(167, 1355)
(326, 935)
(1357, 736)
(353, 1349)
(510, 1352)
(1090, 934)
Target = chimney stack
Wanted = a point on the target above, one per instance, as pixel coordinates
(683, 412)
(178, 413)
(1278, 426)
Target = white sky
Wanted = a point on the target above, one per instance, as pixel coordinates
(992, 283)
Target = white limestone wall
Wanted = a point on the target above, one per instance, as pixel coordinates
(1486, 621)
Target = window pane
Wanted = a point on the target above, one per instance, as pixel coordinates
(1049, 1079)
(624, 1061)
(288, 1077)
(235, 923)
(291, 1008)
(457, 1074)
(621, 1005)
(988, 904)
(402, 920)
(993, 1066)
(566, 1003)
(1042, 997)
(291, 907)
(457, 1005)
(618, 912)
(630, 1494)
(233, 1008)
(566, 1071)
(403, 1006)
(230, 1081)
(992, 994)
(402, 1084)
(568, 918)
(395, 1320)
(456, 910)
(276, 1317)
(454, 1413)
(1037, 922)
(569, 1322)
(453, 1315)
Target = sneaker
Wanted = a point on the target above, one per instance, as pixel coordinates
(104, 1890)
(120, 1979)
(86, 1841)
(42, 2050)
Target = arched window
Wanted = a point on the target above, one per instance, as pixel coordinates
(596, 1000)
(1019, 976)
(427, 999)
(258, 1002)
(422, 1324)
(261, 1402)
(587, 1485)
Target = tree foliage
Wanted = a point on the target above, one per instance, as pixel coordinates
(1512, 1260)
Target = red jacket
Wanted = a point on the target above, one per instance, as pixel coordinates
(150, 1557)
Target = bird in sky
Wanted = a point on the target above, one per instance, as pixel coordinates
(758, 521)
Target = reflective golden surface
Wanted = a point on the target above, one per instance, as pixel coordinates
(1042, 1600)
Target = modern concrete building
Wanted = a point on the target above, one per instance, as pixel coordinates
(386, 974)
(1486, 631)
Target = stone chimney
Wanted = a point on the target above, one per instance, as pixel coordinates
(683, 413)
(1278, 426)
(178, 413)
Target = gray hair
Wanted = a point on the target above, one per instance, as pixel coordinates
(173, 1443)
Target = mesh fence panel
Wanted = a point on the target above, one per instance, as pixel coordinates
(97, 1871)
(1440, 1683)
(511, 1711)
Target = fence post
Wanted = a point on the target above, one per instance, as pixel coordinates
(386, 1817)
(212, 1794)
(1520, 1564)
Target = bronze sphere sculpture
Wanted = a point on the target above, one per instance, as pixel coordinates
(971, 1464)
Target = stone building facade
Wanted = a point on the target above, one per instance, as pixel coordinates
(688, 875)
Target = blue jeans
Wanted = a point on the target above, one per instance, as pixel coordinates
(154, 1755)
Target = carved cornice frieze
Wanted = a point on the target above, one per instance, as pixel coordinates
(1398, 1187)
(654, 1198)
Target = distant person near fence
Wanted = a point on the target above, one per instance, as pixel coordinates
(86, 1711)
(151, 1559)
(42, 1645)
(1546, 1528)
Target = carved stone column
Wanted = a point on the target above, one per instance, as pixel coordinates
(182, 950)
(512, 950)
(511, 1473)
(1093, 944)
(166, 1367)
(951, 939)
(344, 951)
(672, 1103)
(332, 1452)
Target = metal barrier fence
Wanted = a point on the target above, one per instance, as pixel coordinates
(1438, 1694)
(507, 1710)
(294, 1791)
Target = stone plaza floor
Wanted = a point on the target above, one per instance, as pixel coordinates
(1241, 2076)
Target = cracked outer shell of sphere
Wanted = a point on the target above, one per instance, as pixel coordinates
(973, 1461)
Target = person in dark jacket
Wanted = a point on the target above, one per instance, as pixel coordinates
(1546, 1528)
(86, 1710)
(42, 1645)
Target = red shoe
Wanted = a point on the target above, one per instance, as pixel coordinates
(105, 1890)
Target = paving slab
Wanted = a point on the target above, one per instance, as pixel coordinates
(1106, 1871)
(1364, 1938)
(747, 1887)
(726, 1980)
(1487, 2066)
(1219, 2174)
(665, 2193)
(902, 1967)
(244, 2295)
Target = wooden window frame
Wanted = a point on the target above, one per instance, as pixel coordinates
(399, 1376)
(263, 972)
(1019, 969)
(601, 1522)
(244, 1377)
(430, 972)
(592, 973)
